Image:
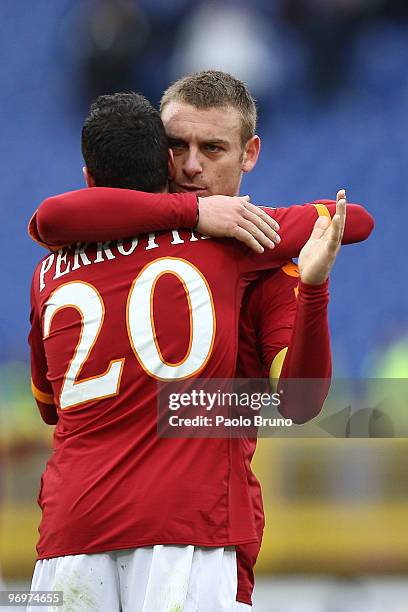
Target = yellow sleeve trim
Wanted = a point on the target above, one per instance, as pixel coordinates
(322, 210)
(45, 398)
(291, 269)
(276, 367)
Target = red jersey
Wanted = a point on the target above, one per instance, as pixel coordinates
(104, 213)
(273, 322)
(268, 313)
(107, 322)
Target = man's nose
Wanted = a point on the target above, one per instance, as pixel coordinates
(192, 165)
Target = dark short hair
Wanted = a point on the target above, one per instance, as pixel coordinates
(212, 88)
(124, 143)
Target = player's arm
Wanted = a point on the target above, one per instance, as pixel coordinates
(359, 223)
(292, 339)
(40, 386)
(309, 353)
(307, 356)
(101, 213)
(296, 223)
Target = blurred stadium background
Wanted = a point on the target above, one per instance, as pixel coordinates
(331, 79)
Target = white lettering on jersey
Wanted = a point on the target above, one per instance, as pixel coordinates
(87, 301)
(103, 248)
(141, 326)
(80, 253)
(151, 243)
(132, 247)
(176, 238)
(61, 258)
(75, 261)
(45, 266)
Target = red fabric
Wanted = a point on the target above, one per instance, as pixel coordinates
(266, 322)
(265, 326)
(359, 225)
(108, 213)
(39, 363)
(103, 213)
(308, 357)
(108, 484)
(273, 316)
(76, 220)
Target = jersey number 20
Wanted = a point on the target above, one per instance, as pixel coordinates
(85, 298)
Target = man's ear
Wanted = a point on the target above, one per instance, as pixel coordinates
(171, 165)
(88, 177)
(251, 153)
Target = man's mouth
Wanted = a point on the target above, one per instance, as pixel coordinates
(191, 187)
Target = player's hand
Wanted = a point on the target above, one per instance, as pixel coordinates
(317, 257)
(235, 217)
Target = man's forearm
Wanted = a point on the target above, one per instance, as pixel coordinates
(102, 213)
(308, 356)
(359, 223)
(297, 222)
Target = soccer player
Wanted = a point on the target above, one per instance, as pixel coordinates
(289, 269)
(107, 322)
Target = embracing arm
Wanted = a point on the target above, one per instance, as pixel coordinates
(296, 226)
(101, 213)
(297, 222)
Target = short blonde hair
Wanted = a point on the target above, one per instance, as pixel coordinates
(212, 88)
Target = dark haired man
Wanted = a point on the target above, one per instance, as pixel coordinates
(103, 256)
(221, 216)
(117, 138)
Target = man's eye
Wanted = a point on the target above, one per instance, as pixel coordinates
(176, 145)
(213, 148)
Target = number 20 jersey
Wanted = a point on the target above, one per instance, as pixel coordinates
(108, 321)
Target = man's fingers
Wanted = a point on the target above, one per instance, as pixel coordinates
(263, 215)
(221, 216)
(341, 195)
(258, 234)
(341, 206)
(247, 238)
(264, 227)
(335, 233)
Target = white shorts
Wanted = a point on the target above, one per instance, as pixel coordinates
(148, 579)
